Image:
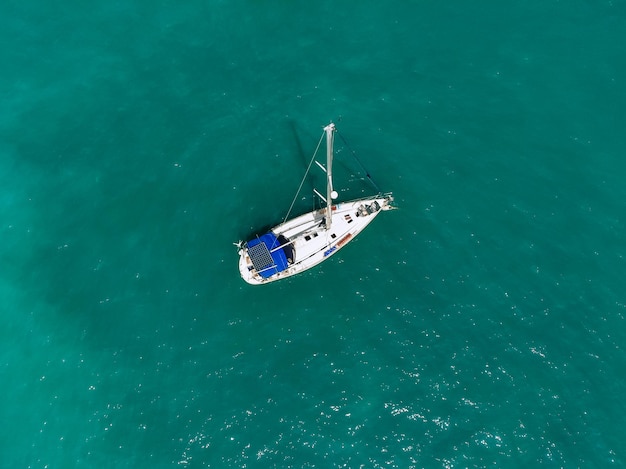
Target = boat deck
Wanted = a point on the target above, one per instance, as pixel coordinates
(311, 242)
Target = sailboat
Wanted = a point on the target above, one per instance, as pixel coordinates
(305, 241)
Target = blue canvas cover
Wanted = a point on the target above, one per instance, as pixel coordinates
(266, 261)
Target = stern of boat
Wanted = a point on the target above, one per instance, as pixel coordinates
(246, 269)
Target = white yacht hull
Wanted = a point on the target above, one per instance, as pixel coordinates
(309, 241)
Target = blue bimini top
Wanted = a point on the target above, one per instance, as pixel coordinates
(267, 260)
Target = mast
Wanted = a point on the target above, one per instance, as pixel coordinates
(330, 193)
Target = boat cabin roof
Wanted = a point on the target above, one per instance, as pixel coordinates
(267, 256)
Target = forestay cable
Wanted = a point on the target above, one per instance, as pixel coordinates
(367, 174)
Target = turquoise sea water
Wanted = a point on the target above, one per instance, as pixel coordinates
(481, 324)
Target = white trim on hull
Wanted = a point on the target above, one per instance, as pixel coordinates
(310, 239)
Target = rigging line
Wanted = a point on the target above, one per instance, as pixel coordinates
(304, 178)
(367, 174)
